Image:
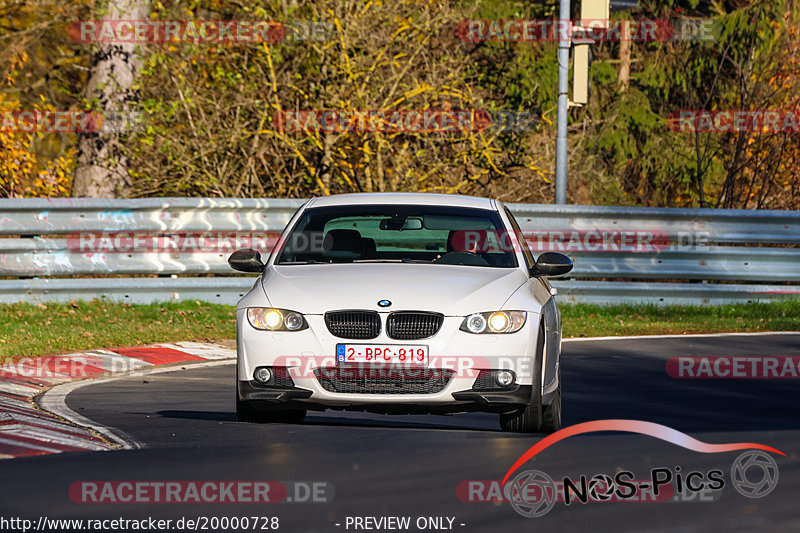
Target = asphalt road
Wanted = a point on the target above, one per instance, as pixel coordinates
(411, 465)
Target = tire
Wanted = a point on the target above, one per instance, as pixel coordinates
(245, 412)
(529, 419)
(551, 415)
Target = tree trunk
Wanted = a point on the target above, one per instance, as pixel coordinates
(624, 78)
(102, 165)
(327, 162)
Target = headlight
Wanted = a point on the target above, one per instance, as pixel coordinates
(474, 324)
(275, 319)
(494, 322)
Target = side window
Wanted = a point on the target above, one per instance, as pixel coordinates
(529, 260)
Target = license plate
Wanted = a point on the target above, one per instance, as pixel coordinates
(382, 353)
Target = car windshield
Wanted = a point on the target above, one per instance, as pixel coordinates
(399, 233)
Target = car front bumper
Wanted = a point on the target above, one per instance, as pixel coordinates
(499, 401)
(302, 352)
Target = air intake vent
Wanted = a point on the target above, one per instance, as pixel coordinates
(359, 380)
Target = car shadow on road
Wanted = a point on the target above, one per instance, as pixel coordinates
(459, 422)
(218, 416)
(468, 422)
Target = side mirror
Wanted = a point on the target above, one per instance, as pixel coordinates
(246, 260)
(551, 264)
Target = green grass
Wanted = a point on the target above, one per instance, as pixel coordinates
(27, 330)
(582, 320)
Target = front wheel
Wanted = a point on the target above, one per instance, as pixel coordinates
(551, 415)
(245, 412)
(529, 419)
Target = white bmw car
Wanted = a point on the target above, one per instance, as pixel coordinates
(401, 303)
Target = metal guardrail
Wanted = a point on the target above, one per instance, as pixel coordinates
(228, 290)
(58, 216)
(51, 257)
(739, 226)
(689, 244)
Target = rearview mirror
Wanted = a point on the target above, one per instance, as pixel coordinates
(398, 223)
(246, 260)
(551, 264)
(412, 223)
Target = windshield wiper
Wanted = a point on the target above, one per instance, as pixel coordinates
(306, 262)
(387, 260)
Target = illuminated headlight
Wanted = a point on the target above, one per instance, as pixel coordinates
(275, 319)
(499, 321)
(494, 322)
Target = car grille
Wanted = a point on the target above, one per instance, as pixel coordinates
(359, 380)
(353, 324)
(408, 325)
(281, 377)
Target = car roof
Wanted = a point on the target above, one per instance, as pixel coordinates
(402, 198)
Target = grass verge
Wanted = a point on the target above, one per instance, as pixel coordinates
(583, 320)
(27, 330)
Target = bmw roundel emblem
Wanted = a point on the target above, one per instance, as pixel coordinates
(384, 303)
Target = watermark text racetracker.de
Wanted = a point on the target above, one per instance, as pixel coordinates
(734, 121)
(398, 362)
(208, 492)
(75, 366)
(476, 241)
(179, 492)
(184, 242)
(48, 121)
(594, 30)
(13, 524)
(733, 367)
(199, 31)
(404, 121)
(70, 121)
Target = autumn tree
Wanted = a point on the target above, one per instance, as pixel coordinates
(102, 169)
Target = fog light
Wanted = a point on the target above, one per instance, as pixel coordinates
(504, 378)
(262, 374)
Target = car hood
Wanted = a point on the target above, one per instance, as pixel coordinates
(448, 289)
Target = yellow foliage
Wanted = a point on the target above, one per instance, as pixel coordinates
(22, 172)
